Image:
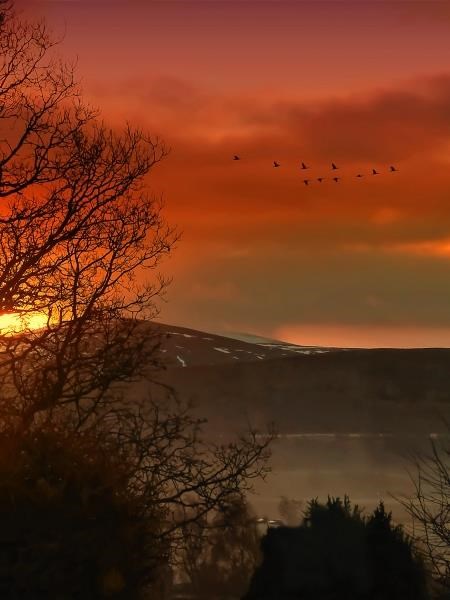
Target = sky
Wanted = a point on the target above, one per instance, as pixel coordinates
(364, 84)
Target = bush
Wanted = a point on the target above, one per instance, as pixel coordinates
(338, 554)
(69, 525)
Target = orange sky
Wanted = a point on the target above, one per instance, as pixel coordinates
(364, 84)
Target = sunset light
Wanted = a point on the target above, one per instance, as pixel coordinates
(12, 323)
(224, 299)
(368, 109)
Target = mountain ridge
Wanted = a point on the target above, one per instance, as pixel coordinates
(302, 389)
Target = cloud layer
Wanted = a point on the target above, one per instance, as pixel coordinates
(366, 252)
(364, 85)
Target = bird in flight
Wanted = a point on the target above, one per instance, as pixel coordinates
(304, 166)
(276, 164)
(360, 175)
(236, 157)
(306, 181)
(336, 179)
(374, 172)
(392, 169)
(320, 179)
(333, 166)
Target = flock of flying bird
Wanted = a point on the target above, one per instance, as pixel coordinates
(334, 167)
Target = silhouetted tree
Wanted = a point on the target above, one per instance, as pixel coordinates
(429, 509)
(220, 557)
(79, 239)
(164, 476)
(81, 242)
(337, 554)
(70, 525)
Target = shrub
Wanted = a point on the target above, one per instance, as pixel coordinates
(338, 554)
(69, 525)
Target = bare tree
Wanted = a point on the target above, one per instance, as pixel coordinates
(79, 235)
(79, 508)
(221, 556)
(429, 508)
(81, 242)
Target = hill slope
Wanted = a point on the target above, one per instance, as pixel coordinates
(307, 389)
(188, 347)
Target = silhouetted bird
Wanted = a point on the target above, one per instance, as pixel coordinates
(306, 181)
(320, 179)
(393, 168)
(304, 166)
(275, 164)
(236, 157)
(374, 172)
(336, 179)
(333, 166)
(360, 175)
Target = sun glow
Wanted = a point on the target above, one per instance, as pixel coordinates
(13, 323)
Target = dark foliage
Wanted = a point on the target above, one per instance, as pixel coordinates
(69, 525)
(338, 554)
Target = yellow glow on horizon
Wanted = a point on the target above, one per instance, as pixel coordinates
(12, 323)
(341, 335)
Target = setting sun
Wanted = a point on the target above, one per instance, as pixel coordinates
(11, 323)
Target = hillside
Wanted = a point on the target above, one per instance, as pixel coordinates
(189, 348)
(308, 389)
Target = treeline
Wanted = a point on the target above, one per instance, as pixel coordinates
(335, 552)
(72, 527)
